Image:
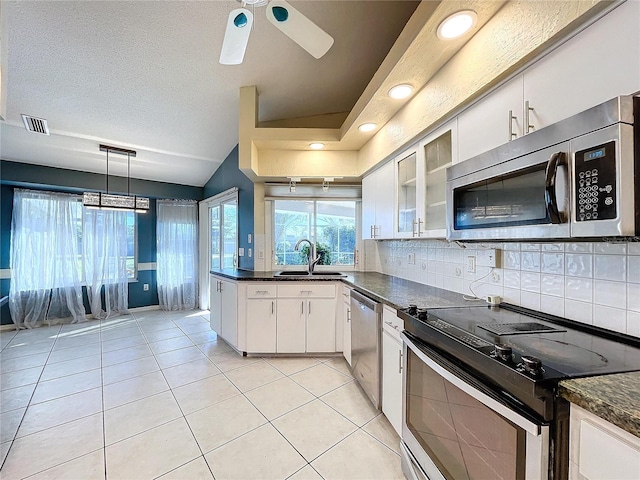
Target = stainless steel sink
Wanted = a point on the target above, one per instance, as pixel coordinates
(304, 273)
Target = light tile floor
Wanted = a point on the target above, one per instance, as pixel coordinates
(157, 395)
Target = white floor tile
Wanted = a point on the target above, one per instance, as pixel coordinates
(126, 370)
(70, 367)
(17, 349)
(306, 473)
(216, 425)
(351, 402)
(63, 386)
(15, 397)
(116, 332)
(4, 449)
(253, 376)
(116, 394)
(232, 360)
(20, 378)
(320, 379)
(71, 440)
(176, 357)
(204, 393)
(136, 417)
(381, 430)
(213, 347)
(314, 428)
(120, 343)
(73, 353)
(125, 355)
(190, 372)
(61, 410)
(204, 337)
(291, 365)
(260, 454)
(359, 456)
(164, 346)
(194, 470)
(152, 453)
(279, 397)
(201, 326)
(340, 364)
(23, 363)
(9, 423)
(86, 467)
(71, 340)
(164, 334)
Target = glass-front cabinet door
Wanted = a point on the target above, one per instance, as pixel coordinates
(420, 179)
(406, 190)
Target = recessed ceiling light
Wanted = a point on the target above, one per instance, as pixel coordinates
(401, 91)
(316, 146)
(457, 24)
(367, 127)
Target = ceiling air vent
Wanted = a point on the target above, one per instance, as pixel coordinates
(35, 125)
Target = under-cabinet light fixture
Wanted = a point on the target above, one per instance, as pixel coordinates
(401, 91)
(457, 24)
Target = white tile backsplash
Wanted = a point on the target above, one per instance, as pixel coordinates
(595, 283)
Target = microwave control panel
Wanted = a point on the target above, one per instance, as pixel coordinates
(595, 183)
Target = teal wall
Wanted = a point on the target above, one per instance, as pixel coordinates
(13, 174)
(227, 176)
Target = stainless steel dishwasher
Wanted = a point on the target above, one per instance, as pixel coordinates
(365, 345)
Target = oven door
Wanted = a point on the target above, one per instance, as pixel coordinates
(526, 197)
(454, 428)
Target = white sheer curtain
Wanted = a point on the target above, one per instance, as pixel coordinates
(45, 258)
(177, 257)
(105, 261)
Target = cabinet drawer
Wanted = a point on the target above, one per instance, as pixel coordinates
(260, 290)
(306, 290)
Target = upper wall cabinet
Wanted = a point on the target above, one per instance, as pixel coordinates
(377, 203)
(597, 64)
(420, 175)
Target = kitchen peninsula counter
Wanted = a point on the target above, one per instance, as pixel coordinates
(614, 398)
(393, 291)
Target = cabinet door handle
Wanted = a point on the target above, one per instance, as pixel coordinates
(413, 227)
(419, 222)
(512, 134)
(302, 308)
(371, 234)
(399, 361)
(221, 286)
(273, 307)
(261, 292)
(527, 117)
(309, 308)
(348, 315)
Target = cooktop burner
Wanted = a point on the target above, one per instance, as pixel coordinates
(518, 328)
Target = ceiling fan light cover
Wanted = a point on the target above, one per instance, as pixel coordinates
(299, 28)
(236, 36)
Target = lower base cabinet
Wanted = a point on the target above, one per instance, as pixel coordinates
(600, 450)
(291, 328)
(223, 307)
(261, 325)
(392, 365)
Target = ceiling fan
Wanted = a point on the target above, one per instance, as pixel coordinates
(281, 14)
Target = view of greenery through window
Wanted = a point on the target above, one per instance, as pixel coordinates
(331, 224)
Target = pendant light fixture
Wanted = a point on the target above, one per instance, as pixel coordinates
(110, 201)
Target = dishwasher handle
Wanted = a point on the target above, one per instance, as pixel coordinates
(366, 301)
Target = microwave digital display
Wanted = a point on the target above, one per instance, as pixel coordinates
(593, 154)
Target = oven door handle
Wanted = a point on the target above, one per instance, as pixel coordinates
(550, 199)
(499, 408)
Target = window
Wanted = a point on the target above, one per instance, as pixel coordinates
(331, 224)
(223, 230)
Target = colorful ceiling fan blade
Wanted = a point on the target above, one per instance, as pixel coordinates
(299, 28)
(236, 36)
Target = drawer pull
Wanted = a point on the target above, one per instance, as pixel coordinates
(399, 361)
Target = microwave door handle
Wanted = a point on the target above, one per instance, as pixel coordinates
(551, 201)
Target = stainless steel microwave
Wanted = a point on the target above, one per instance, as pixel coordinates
(578, 178)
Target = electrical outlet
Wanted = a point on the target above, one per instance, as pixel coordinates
(412, 259)
(241, 252)
(458, 272)
(145, 287)
(488, 257)
(424, 265)
(249, 253)
(260, 254)
(495, 276)
(471, 264)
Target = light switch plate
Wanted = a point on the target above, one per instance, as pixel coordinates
(249, 252)
(241, 252)
(249, 240)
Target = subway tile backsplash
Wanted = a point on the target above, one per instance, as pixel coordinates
(595, 283)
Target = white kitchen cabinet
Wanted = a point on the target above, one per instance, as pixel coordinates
(601, 450)
(378, 203)
(306, 320)
(590, 68)
(223, 306)
(261, 314)
(392, 364)
(420, 191)
(346, 324)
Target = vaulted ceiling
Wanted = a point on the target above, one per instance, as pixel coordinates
(145, 76)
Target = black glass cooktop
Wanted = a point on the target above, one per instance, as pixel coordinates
(564, 349)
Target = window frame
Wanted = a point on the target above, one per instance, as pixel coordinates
(270, 218)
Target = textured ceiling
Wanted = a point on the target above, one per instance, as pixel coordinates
(145, 75)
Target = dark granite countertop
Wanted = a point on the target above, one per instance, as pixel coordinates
(615, 398)
(395, 292)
